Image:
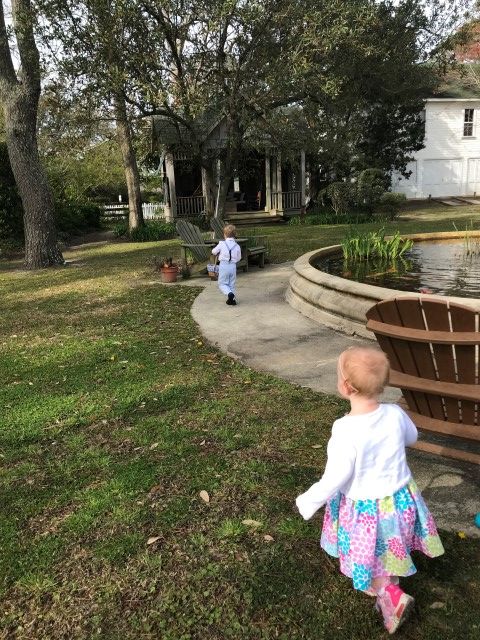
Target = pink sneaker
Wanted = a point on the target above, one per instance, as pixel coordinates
(395, 606)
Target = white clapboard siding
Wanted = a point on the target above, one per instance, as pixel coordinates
(449, 164)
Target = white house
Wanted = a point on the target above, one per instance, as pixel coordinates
(449, 164)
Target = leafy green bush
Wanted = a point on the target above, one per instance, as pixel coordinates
(73, 218)
(151, 231)
(390, 204)
(10, 247)
(11, 212)
(369, 188)
(331, 218)
(120, 230)
(341, 195)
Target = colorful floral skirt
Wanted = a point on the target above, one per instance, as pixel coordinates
(374, 538)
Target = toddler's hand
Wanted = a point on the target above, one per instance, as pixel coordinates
(305, 507)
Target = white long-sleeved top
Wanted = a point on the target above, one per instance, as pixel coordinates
(366, 458)
(223, 248)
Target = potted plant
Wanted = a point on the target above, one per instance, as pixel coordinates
(168, 269)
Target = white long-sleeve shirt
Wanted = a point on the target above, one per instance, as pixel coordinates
(223, 248)
(366, 458)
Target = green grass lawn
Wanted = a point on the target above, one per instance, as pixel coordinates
(115, 415)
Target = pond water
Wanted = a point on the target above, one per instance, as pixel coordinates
(444, 267)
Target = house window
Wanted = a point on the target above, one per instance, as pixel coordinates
(468, 123)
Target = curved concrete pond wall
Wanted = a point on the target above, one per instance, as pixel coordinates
(342, 304)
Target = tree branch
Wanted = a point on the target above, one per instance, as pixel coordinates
(27, 47)
(8, 79)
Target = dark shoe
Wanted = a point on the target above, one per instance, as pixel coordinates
(231, 299)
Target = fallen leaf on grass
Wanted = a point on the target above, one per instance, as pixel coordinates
(251, 523)
(316, 446)
(204, 496)
(462, 535)
(267, 538)
(153, 539)
(437, 605)
(154, 446)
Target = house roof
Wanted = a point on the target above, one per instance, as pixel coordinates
(169, 132)
(462, 83)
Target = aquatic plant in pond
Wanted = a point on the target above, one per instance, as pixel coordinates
(442, 267)
(471, 244)
(373, 244)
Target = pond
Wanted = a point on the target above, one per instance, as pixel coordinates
(444, 267)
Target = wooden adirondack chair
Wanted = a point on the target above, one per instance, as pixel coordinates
(434, 356)
(201, 249)
(256, 245)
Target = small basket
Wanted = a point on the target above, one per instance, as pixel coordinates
(212, 269)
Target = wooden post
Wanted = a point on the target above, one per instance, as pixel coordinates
(170, 171)
(208, 192)
(279, 183)
(268, 184)
(302, 182)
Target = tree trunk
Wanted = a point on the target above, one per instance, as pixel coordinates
(314, 185)
(20, 93)
(132, 176)
(209, 190)
(222, 195)
(41, 249)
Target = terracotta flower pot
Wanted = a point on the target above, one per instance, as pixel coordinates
(169, 274)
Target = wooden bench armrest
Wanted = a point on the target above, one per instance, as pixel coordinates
(205, 245)
(423, 335)
(435, 387)
(446, 428)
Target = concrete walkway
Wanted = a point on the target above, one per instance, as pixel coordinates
(266, 334)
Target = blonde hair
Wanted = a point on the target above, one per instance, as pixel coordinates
(366, 369)
(229, 231)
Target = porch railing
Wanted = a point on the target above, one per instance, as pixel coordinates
(190, 206)
(285, 200)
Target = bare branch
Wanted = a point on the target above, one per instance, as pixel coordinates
(8, 79)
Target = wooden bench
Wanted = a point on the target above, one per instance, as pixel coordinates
(201, 248)
(256, 245)
(433, 348)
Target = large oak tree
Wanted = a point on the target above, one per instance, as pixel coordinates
(19, 95)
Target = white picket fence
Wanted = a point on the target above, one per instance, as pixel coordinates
(151, 210)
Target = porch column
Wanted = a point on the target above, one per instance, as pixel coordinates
(279, 183)
(170, 171)
(208, 192)
(268, 184)
(302, 181)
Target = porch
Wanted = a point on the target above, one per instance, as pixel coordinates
(263, 188)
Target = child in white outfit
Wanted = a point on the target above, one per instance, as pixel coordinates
(230, 254)
(375, 514)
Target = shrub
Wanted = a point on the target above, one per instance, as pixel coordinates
(120, 230)
(370, 186)
(341, 197)
(390, 204)
(330, 217)
(10, 248)
(11, 212)
(73, 218)
(151, 231)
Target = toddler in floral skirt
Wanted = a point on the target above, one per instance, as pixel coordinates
(375, 515)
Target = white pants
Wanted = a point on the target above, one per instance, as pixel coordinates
(227, 276)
